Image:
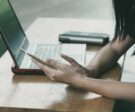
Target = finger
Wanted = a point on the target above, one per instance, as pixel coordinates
(42, 67)
(70, 60)
(55, 63)
(48, 71)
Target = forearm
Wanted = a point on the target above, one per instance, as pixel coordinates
(106, 58)
(110, 89)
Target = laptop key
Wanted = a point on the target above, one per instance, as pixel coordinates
(47, 52)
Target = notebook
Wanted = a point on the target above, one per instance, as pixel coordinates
(15, 39)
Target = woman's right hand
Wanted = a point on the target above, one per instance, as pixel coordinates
(79, 68)
(70, 74)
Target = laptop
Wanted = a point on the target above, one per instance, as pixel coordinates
(15, 39)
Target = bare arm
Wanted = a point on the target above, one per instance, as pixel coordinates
(69, 74)
(75, 75)
(108, 56)
(107, 88)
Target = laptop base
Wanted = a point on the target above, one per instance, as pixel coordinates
(23, 71)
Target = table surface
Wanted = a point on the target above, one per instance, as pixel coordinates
(21, 93)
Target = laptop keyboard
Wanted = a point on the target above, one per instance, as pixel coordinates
(47, 52)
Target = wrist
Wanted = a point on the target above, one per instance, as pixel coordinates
(79, 81)
(87, 83)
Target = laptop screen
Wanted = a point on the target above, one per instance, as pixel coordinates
(12, 32)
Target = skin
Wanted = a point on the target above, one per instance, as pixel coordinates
(84, 77)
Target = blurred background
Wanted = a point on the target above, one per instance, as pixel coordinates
(28, 10)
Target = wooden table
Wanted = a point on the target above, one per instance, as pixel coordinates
(38, 93)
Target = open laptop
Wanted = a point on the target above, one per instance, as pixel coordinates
(15, 39)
